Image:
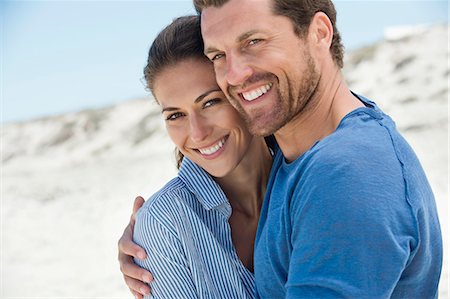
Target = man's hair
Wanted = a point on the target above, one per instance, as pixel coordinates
(300, 12)
(177, 42)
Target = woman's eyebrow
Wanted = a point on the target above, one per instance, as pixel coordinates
(166, 109)
(203, 95)
(198, 99)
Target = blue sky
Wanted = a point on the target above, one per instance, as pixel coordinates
(62, 56)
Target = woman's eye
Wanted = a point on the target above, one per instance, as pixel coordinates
(174, 116)
(211, 102)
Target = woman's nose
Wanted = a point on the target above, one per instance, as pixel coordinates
(199, 128)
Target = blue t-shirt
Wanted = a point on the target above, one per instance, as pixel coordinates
(352, 217)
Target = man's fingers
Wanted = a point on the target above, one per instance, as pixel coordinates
(138, 202)
(134, 276)
(137, 295)
(129, 268)
(137, 287)
(128, 247)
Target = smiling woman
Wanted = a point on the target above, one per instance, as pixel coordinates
(199, 229)
(192, 107)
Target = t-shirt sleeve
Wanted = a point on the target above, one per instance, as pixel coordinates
(352, 232)
(165, 258)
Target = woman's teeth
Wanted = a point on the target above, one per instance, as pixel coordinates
(211, 150)
(256, 93)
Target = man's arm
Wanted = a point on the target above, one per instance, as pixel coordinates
(134, 276)
(166, 255)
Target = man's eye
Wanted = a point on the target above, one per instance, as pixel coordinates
(216, 57)
(254, 41)
(174, 116)
(211, 102)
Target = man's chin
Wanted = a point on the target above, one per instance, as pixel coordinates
(261, 128)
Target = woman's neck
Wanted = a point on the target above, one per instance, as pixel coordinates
(245, 186)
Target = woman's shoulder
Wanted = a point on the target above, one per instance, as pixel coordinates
(157, 224)
(170, 194)
(161, 209)
(174, 204)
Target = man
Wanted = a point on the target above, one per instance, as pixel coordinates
(348, 210)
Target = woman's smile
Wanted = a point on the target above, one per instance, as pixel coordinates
(214, 150)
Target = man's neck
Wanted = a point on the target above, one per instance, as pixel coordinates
(328, 107)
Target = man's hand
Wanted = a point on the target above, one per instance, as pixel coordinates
(134, 276)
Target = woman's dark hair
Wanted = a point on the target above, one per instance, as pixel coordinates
(179, 41)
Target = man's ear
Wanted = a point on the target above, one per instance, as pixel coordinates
(321, 30)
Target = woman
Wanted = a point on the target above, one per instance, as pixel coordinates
(198, 230)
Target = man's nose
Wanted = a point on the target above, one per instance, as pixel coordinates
(238, 70)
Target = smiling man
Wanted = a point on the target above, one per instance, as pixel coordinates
(348, 210)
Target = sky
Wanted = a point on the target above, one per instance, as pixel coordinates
(65, 56)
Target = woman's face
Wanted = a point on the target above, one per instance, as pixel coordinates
(199, 119)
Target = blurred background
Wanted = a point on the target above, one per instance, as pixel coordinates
(81, 137)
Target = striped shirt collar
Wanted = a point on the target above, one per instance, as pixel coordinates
(200, 183)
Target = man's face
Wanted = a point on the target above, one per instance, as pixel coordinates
(264, 68)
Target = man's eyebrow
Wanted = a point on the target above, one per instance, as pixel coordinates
(198, 99)
(209, 50)
(240, 39)
(246, 35)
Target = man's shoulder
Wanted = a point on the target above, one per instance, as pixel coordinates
(355, 152)
(361, 135)
(361, 143)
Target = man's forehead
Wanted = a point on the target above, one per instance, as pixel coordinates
(234, 18)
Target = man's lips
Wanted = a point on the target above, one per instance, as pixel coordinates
(255, 93)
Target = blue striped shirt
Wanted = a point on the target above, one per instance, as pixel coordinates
(185, 231)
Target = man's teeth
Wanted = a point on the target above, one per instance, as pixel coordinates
(211, 150)
(256, 93)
